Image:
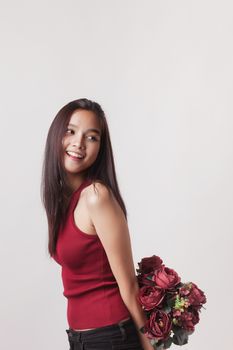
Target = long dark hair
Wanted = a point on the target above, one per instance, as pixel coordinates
(55, 190)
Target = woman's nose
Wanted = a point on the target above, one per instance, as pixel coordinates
(78, 141)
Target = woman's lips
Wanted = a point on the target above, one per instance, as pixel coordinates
(74, 158)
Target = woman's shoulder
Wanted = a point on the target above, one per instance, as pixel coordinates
(97, 191)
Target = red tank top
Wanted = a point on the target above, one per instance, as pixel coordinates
(93, 297)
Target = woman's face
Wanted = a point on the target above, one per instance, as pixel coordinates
(82, 137)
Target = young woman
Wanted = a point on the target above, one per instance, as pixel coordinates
(88, 232)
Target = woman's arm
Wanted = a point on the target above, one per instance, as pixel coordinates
(112, 229)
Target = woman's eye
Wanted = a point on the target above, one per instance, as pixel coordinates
(92, 138)
(68, 131)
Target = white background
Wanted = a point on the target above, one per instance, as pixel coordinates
(162, 71)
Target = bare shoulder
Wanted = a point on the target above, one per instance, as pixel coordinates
(98, 194)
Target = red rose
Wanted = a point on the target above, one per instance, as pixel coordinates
(185, 289)
(196, 296)
(158, 325)
(145, 280)
(150, 297)
(166, 278)
(189, 319)
(150, 264)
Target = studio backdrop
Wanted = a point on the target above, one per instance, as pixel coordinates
(162, 72)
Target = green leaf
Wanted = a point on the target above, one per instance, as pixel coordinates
(176, 329)
(142, 329)
(167, 309)
(168, 343)
(171, 302)
(153, 341)
(149, 278)
(160, 347)
(179, 285)
(180, 336)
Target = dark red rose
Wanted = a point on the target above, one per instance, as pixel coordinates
(150, 264)
(150, 297)
(166, 278)
(158, 325)
(189, 319)
(196, 307)
(185, 289)
(145, 280)
(196, 317)
(196, 296)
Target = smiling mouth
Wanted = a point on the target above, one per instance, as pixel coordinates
(74, 156)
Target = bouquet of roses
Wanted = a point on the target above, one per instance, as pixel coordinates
(171, 307)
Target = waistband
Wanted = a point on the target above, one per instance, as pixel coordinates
(81, 335)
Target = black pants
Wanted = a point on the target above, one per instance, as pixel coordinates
(118, 336)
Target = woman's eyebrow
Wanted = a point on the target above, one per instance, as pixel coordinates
(97, 131)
